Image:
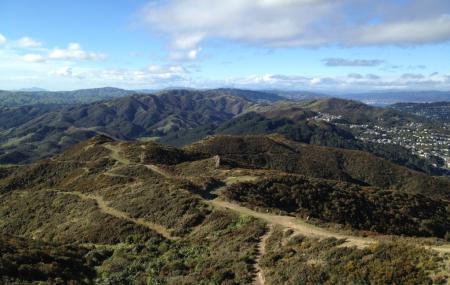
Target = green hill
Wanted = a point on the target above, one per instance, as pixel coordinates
(137, 116)
(28, 98)
(121, 212)
(276, 152)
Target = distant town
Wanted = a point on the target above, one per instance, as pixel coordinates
(422, 140)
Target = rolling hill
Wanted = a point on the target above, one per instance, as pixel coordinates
(438, 111)
(128, 117)
(107, 211)
(361, 168)
(296, 122)
(179, 117)
(28, 98)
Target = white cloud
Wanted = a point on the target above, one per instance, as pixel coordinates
(31, 57)
(65, 71)
(350, 82)
(187, 41)
(352, 62)
(74, 51)
(27, 42)
(182, 55)
(2, 39)
(419, 31)
(156, 75)
(286, 23)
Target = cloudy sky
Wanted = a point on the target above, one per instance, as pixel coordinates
(322, 45)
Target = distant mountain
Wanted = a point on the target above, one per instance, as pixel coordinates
(180, 117)
(299, 95)
(129, 117)
(438, 111)
(391, 97)
(32, 89)
(257, 96)
(27, 98)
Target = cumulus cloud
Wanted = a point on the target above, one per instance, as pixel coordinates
(74, 51)
(352, 62)
(418, 31)
(31, 57)
(27, 42)
(64, 71)
(184, 55)
(157, 75)
(348, 82)
(286, 23)
(2, 39)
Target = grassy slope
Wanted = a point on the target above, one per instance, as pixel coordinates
(275, 152)
(210, 245)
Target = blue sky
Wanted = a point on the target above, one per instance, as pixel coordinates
(322, 45)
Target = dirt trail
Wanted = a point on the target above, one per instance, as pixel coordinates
(105, 208)
(160, 171)
(115, 153)
(260, 280)
(296, 224)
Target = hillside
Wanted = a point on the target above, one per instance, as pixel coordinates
(137, 116)
(256, 96)
(355, 112)
(28, 98)
(297, 123)
(141, 211)
(438, 111)
(11, 117)
(277, 153)
(179, 117)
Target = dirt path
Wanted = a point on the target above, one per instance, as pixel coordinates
(260, 280)
(160, 171)
(297, 225)
(115, 154)
(105, 208)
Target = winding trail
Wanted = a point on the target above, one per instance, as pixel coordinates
(115, 154)
(260, 279)
(297, 225)
(105, 208)
(160, 171)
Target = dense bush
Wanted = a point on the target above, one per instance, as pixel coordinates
(278, 153)
(299, 260)
(25, 261)
(361, 208)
